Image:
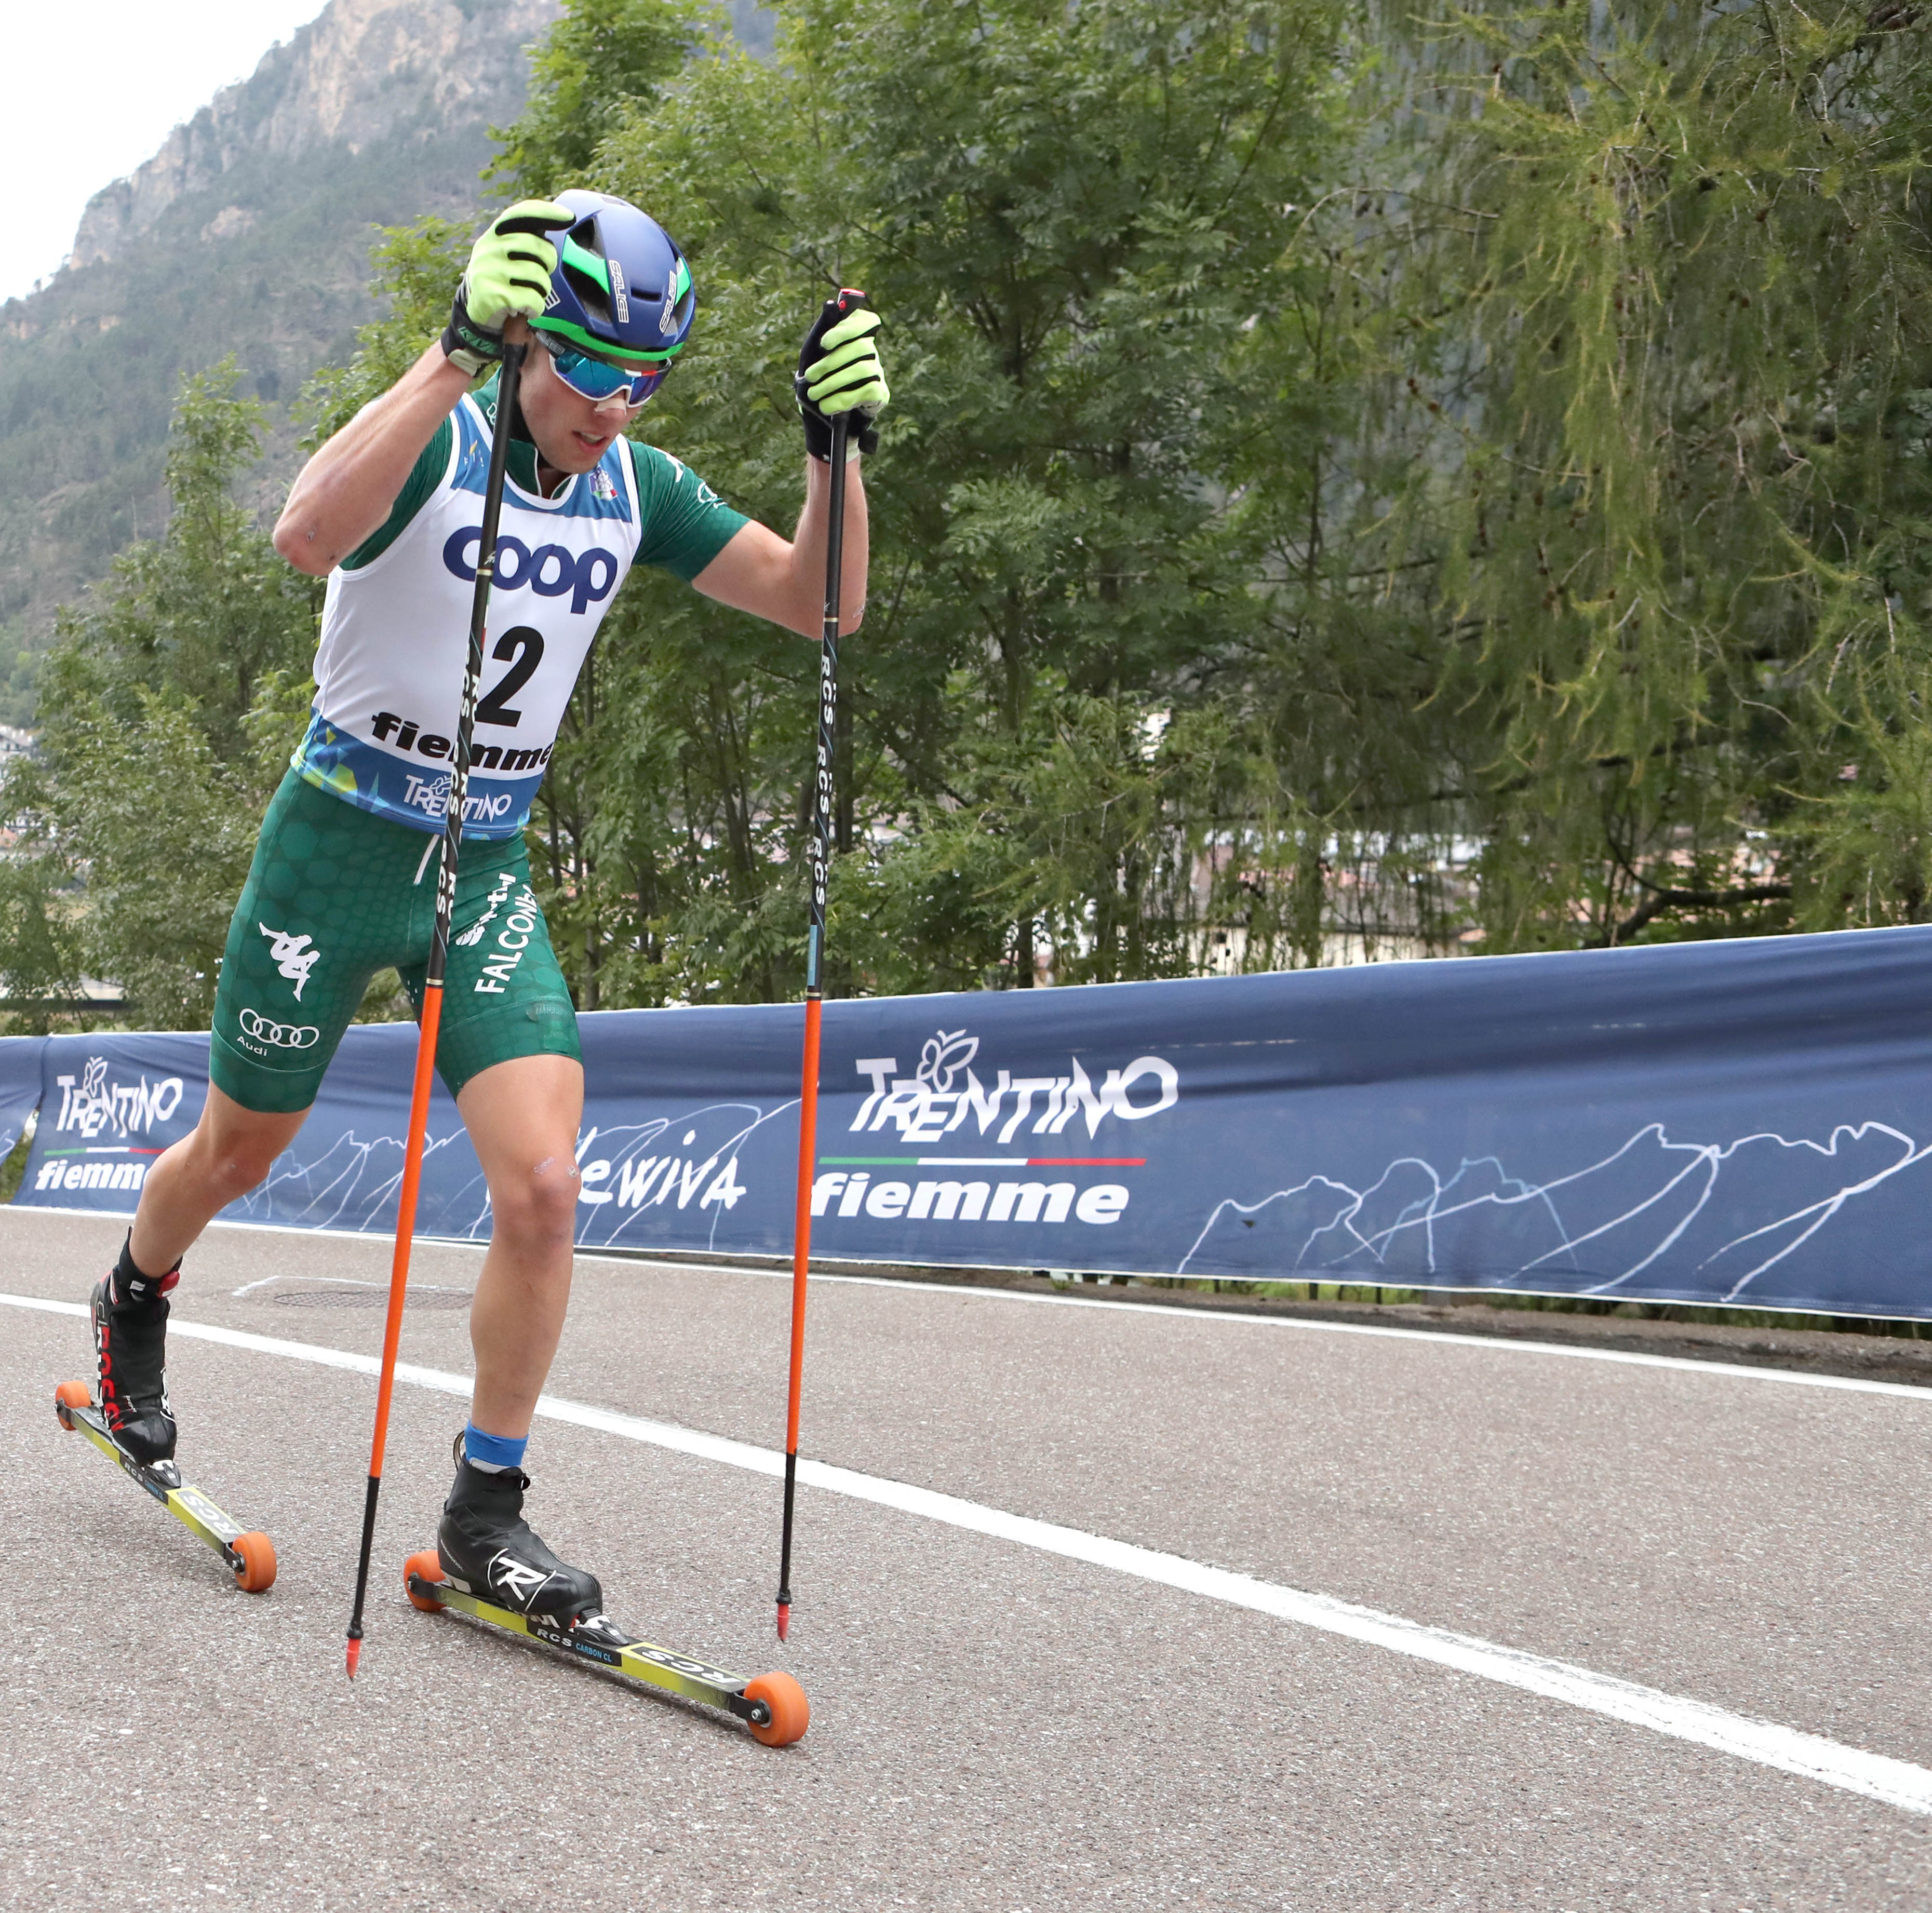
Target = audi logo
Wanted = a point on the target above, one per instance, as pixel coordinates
(283, 1035)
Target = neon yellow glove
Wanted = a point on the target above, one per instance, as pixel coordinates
(839, 371)
(509, 274)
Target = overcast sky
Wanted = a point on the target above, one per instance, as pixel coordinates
(90, 92)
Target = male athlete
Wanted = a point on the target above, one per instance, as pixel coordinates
(343, 880)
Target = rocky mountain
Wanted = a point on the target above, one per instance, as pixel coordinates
(249, 231)
(365, 72)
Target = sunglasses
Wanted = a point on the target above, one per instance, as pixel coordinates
(597, 379)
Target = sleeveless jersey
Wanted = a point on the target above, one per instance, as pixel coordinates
(395, 628)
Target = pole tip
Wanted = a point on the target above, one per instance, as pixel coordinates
(785, 1619)
(355, 1655)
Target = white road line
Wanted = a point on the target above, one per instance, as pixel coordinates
(1895, 1782)
(1482, 1344)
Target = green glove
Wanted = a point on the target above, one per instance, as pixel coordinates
(839, 371)
(508, 273)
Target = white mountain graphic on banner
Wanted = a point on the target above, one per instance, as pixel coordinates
(1717, 1215)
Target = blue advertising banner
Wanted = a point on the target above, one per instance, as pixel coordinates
(109, 1104)
(20, 1084)
(1731, 1122)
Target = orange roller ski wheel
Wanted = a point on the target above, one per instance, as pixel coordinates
(429, 1565)
(256, 1574)
(791, 1712)
(71, 1394)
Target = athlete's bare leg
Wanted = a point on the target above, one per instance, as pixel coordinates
(523, 1118)
(225, 1155)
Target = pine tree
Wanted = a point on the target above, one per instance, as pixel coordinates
(1679, 360)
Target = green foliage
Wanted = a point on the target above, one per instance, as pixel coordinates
(1352, 484)
(1680, 349)
(170, 708)
(19, 671)
(416, 269)
(604, 59)
(252, 238)
(90, 366)
(1074, 223)
(41, 960)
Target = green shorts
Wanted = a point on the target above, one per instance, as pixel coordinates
(335, 894)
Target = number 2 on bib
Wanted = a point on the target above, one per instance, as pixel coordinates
(525, 646)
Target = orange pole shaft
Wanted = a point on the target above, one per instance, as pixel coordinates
(406, 1217)
(801, 1253)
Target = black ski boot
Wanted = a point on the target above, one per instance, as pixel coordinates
(130, 1335)
(488, 1549)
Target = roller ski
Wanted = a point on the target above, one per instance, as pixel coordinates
(488, 1564)
(133, 1425)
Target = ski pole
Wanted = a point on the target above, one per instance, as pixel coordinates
(817, 857)
(431, 1019)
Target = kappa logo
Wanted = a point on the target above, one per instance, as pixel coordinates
(283, 1035)
(295, 957)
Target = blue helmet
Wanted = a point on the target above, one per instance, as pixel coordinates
(621, 289)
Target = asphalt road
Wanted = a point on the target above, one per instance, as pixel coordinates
(993, 1726)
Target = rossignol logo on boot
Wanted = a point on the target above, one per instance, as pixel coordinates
(295, 957)
(516, 1582)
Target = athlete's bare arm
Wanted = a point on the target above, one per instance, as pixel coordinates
(345, 491)
(784, 579)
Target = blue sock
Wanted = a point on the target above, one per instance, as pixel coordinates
(494, 1454)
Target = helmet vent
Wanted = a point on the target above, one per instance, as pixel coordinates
(591, 296)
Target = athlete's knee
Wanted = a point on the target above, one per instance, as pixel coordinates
(239, 1168)
(234, 1161)
(232, 1148)
(539, 1204)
